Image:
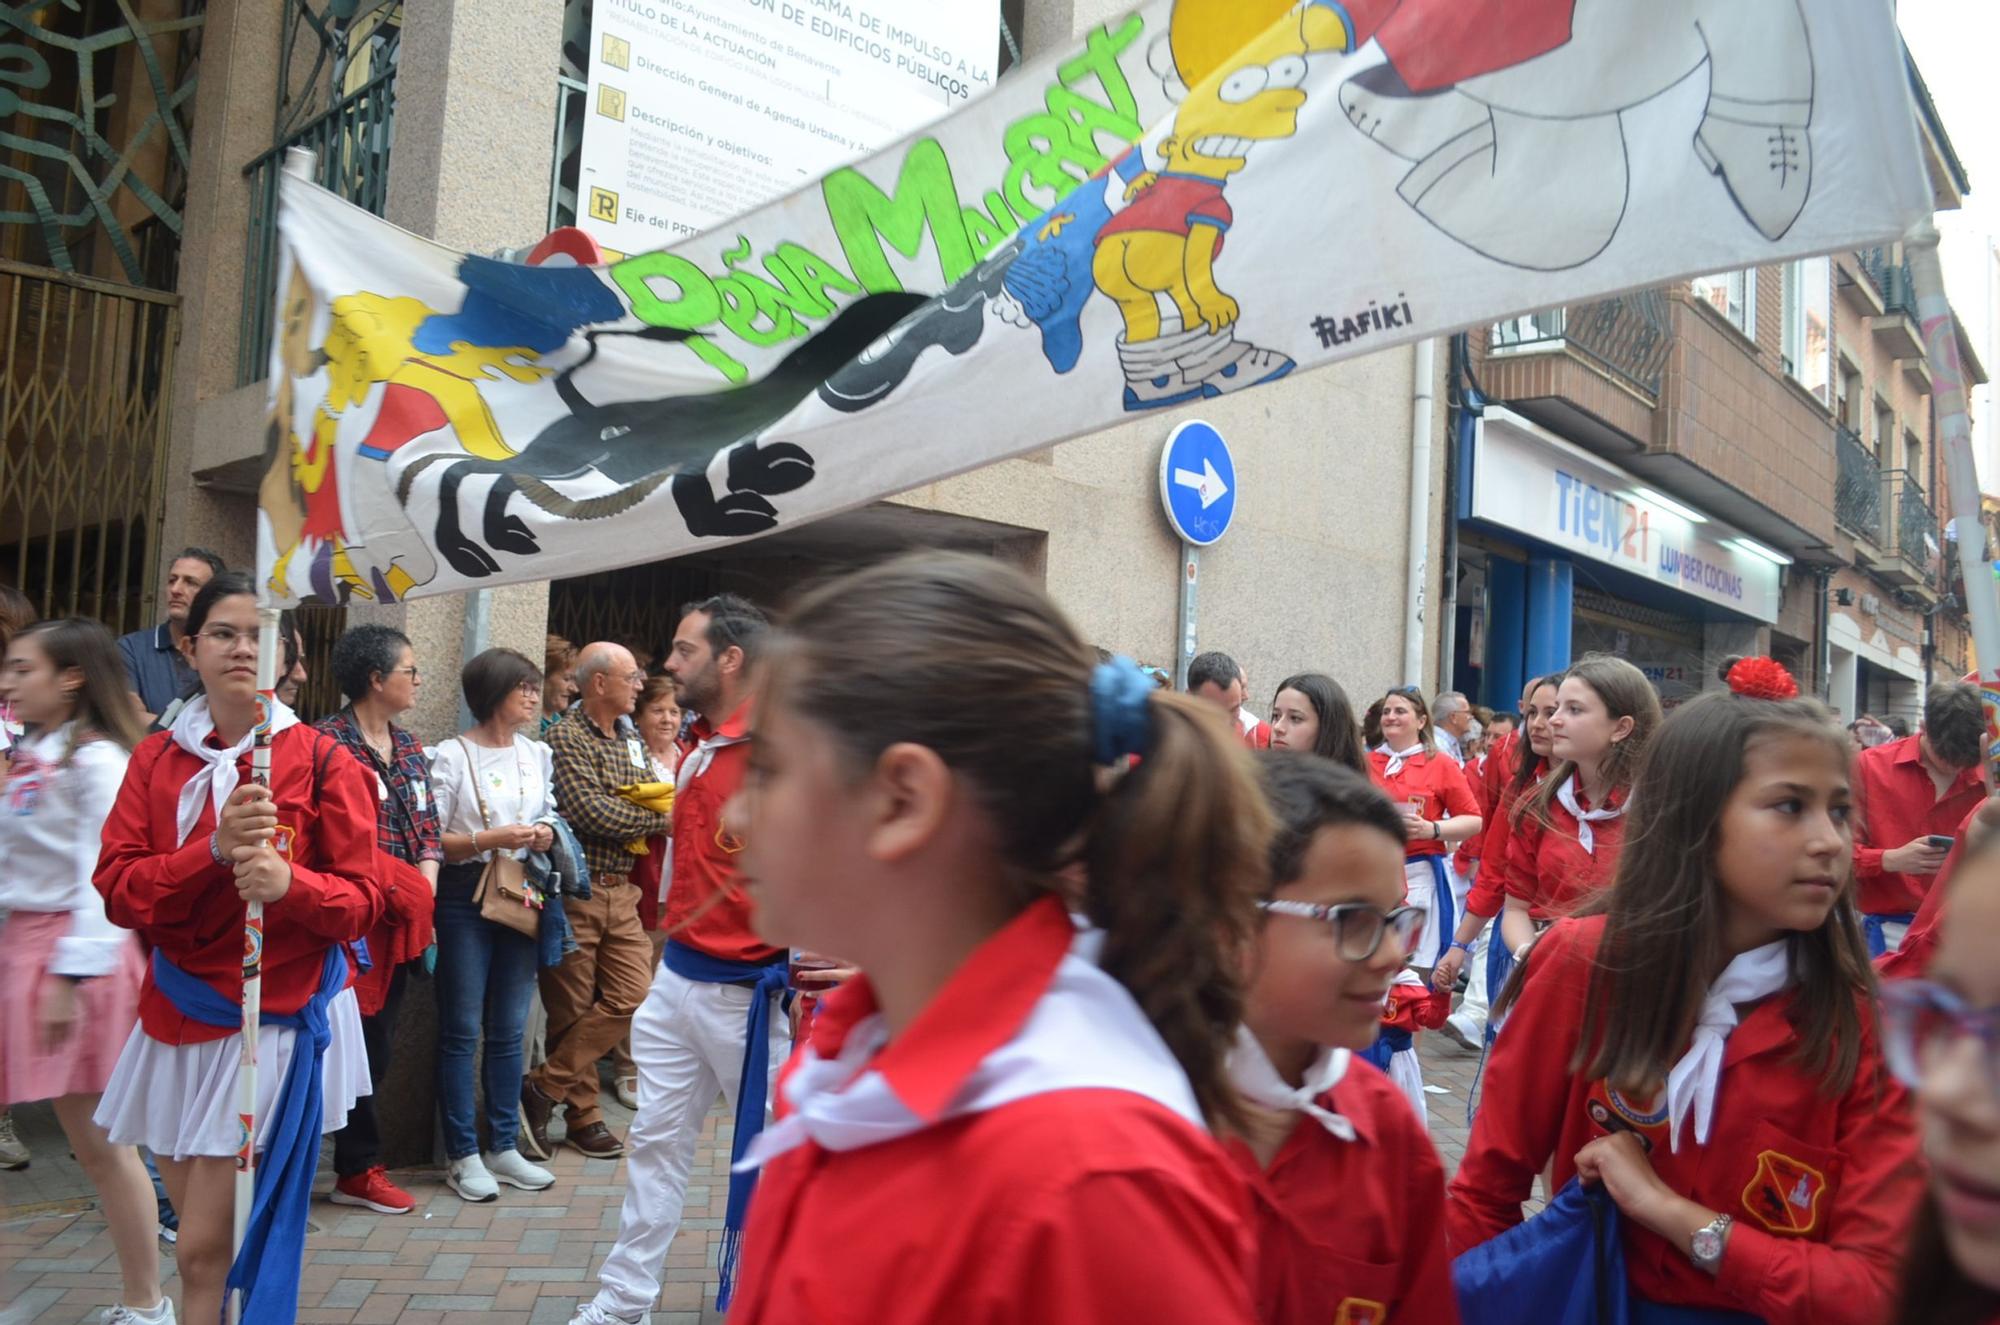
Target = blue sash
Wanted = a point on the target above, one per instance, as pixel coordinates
(1871, 927)
(1564, 1266)
(1391, 1041)
(765, 979)
(1652, 1313)
(1499, 965)
(1444, 916)
(274, 1245)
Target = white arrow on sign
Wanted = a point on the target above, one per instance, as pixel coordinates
(1208, 483)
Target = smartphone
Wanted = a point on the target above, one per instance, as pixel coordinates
(1942, 841)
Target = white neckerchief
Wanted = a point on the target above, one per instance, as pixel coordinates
(217, 778)
(1585, 838)
(1250, 1068)
(699, 758)
(1691, 1085)
(1396, 757)
(1086, 1033)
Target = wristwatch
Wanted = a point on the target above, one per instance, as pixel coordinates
(1706, 1243)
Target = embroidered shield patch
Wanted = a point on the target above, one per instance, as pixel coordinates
(1360, 1311)
(283, 839)
(1784, 1195)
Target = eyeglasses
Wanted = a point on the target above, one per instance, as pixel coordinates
(395, 671)
(226, 637)
(635, 678)
(1357, 927)
(1921, 1021)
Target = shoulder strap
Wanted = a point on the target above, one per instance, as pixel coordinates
(472, 775)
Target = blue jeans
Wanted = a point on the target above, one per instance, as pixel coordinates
(485, 979)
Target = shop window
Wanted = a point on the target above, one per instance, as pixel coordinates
(1732, 294)
(1807, 328)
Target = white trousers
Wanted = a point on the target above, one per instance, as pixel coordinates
(687, 1042)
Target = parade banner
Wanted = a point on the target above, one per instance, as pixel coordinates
(1192, 200)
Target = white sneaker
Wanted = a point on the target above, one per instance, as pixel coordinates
(469, 1178)
(163, 1314)
(510, 1167)
(592, 1314)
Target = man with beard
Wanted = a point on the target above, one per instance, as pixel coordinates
(697, 1032)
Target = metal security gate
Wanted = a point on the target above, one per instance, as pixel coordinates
(85, 367)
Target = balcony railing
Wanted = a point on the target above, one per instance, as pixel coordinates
(1857, 491)
(1890, 278)
(350, 144)
(1916, 525)
(1628, 337)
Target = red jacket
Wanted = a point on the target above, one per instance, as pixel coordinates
(1823, 1191)
(1435, 777)
(1070, 1207)
(1896, 802)
(1416, 1007)
(1547, 867)
(1351, 1231)
(1488, 893)
(706, 905)
(180, 901)
(1489, 786)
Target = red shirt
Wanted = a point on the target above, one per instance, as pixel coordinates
(1823, 1191)
(1913, 959)
(1896, 802)
(1489, 787)
(1435, 777)
(1547, 867)
(1352, 1231)
(180, 901)
(1174, 204)
(1071, 1207)
(706, 905)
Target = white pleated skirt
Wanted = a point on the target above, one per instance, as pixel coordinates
(179, 1100)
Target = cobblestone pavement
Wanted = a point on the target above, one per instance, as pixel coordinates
(525, 1259)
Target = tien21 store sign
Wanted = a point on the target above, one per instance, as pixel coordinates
(1528, 480)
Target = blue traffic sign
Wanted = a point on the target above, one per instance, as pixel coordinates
(1197, 483)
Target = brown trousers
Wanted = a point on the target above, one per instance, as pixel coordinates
(591, 997)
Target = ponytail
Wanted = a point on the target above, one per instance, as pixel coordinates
(1175, 863)
(969, 659)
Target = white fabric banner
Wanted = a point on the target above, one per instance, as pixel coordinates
(1197, 198)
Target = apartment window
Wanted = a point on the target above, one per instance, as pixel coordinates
(1885, 435)
(1848, 408)
(1913, 456)
(1808, 325)
(1732, 294)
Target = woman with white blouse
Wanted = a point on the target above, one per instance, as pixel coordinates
(69, 978)
(492, 784)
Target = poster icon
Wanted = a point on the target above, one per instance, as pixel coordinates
(617, 52)
(603, 204)
(610, 102)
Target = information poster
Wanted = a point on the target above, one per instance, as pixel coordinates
(700, 110)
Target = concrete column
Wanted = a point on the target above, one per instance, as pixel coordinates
(475, 134)
(1551, 614)
(1840, 694)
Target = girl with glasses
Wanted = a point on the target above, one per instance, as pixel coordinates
(1006, 1118)
(1943, 1041)
(189, 841)
(1347, 1193)
(1703, 1041)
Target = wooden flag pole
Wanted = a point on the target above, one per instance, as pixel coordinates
(1954, 423)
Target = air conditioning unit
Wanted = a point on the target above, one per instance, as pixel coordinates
(1871, 604)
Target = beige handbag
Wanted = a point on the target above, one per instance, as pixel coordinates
(503, 893)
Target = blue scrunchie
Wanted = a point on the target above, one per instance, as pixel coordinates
(1121, 716)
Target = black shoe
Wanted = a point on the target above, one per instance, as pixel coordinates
(596, 1141)
(536, 1110)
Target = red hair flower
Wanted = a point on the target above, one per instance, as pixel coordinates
(1762, 678)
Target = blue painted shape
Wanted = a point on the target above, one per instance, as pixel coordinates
(1197, 483)
(1506, 668)
(507, 303)
(1551, 613)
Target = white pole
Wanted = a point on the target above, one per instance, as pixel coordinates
(1421, 409)
(1948, 396)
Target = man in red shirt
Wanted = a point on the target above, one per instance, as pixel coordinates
(1217, 678)
(708, 1022)
(1905, 793)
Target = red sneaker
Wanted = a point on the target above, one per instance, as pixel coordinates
(373, 1190)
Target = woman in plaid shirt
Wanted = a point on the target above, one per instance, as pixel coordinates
(377, 670)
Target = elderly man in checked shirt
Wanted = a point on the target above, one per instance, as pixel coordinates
(591, 997)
